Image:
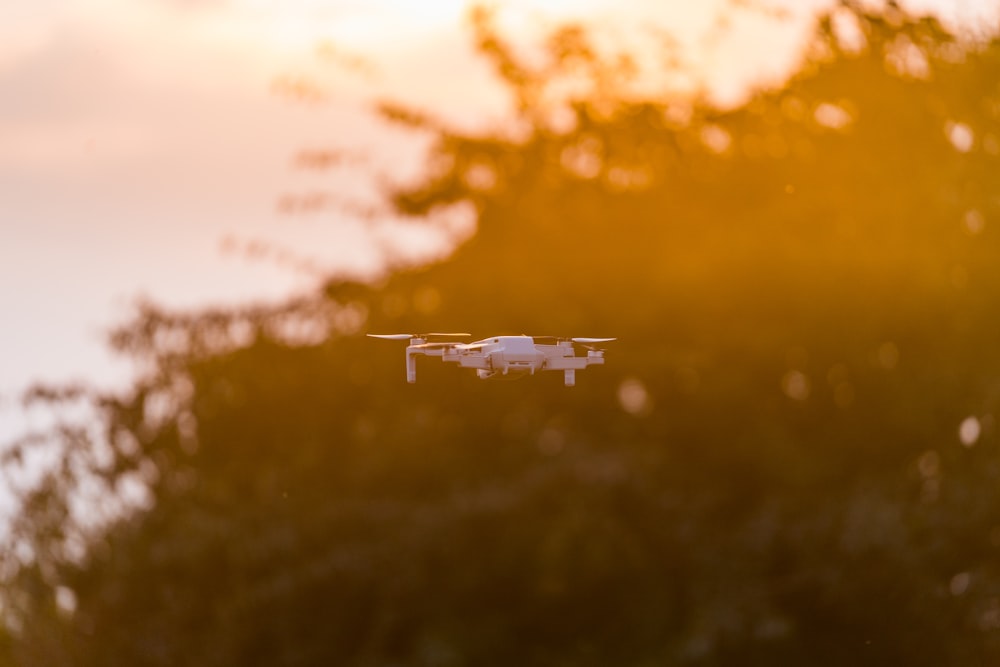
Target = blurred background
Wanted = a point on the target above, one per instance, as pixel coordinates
(146, 145)
(786, 212)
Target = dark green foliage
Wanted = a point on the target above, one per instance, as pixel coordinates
(767, 471)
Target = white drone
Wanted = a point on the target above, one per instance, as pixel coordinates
(504, 357)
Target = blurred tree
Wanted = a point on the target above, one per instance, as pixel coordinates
(790, 457)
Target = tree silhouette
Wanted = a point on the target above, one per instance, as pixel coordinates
(791, 456)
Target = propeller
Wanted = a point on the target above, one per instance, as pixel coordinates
(585, 343)
(406, 336)
(557, 339)
(588, 343)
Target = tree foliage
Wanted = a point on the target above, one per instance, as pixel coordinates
(790, 457)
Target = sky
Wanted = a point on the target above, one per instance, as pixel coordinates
(146, 146)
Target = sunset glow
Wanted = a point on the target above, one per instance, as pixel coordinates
(176, 120)
(776, 221)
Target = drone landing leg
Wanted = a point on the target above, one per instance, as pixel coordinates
(570, 377)
(411, 368)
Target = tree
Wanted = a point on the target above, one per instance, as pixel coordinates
(790, 457)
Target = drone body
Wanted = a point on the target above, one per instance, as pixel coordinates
(504, 357)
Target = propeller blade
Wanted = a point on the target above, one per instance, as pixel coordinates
(406, 336)
(592, 340)
(392, 336)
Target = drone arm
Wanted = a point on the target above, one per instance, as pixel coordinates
(569, 364)
(411, 358)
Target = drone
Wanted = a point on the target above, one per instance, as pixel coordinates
(504, 357)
